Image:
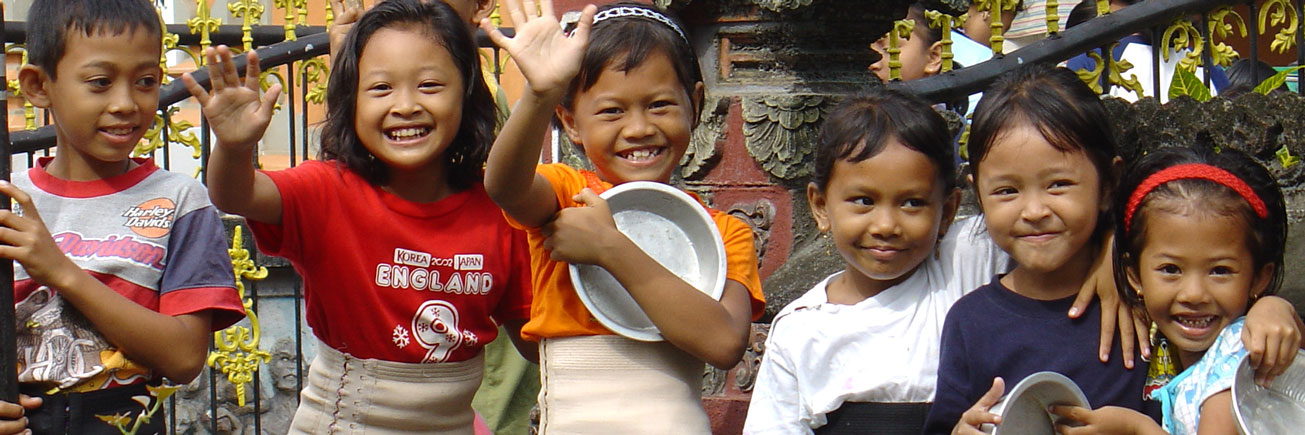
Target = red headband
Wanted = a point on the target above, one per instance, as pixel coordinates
(1193, 171)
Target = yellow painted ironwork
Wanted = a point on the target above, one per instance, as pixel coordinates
(1221, 25)
(249, 11)
(1117, 70)
(1053, 17)
(330, 15)
(315, 74)
(946, 23)
(1093, 77)
(1116, 76)
(901, 29)
(1280, 12)
(1182, 34)
(238, 355)
(29, 111)
(995, 9)
(178, 133)
(203, 23)
(264, 83)
(290, 13)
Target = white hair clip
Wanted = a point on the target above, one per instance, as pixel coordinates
(623, 11)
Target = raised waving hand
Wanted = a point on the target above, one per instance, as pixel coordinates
(547, 57)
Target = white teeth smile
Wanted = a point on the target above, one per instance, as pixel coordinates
(407, 133)
(642, 154)
(1195, 322)
(119, 131)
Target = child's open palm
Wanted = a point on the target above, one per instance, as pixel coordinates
(546, 56)
(237, 112)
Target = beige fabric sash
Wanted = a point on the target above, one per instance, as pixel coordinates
(347, 395)
(607, 384)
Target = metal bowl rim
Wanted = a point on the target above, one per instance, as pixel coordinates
(701, 212)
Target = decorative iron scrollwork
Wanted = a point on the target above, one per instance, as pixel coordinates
(238, 355)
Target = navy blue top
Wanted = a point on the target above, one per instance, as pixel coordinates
(994, 331)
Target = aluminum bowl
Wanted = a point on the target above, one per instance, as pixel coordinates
(1023, 410)
(672, 228)
(1278, 409)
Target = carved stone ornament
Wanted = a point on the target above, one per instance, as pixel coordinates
(745, 375)
(702, 154)
(780, 132)
(782, 5)
(759, 215)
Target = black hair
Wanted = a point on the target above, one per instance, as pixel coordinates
(50, 21)
(466, 155)
(932, 34)
(1061, 107)
(1245, 74)
(1266, 237)
(630, 40)
(861, 126)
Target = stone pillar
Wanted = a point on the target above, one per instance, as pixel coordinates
(773, 69)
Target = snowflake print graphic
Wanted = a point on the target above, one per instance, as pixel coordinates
(400, 336)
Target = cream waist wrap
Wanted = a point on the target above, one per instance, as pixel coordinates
(607, 384)
(347, 395)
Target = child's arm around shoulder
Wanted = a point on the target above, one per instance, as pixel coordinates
(549, 60)
(174, 346)
(238, 115)
(1271, 335)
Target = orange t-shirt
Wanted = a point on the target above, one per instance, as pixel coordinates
(557, 311)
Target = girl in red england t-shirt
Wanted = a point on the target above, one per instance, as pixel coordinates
(406, 261)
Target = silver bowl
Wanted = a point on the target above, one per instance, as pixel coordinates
(672, 228)
(1023, 409)
(1279, 409)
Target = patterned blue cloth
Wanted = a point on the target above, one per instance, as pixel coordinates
(1181, 399)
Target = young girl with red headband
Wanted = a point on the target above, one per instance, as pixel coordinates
(1043, 160)
(1199, 238)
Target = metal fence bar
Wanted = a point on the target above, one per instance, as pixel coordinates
(1300, 51)
(1254, 25)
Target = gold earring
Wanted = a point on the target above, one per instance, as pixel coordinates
(829, 251)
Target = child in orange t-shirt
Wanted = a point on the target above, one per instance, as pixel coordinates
(630, 99)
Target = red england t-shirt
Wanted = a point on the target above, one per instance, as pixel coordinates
(390, 279)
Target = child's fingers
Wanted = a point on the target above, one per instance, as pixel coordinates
(29, 402)
(514, 11)
(1109, 316)
(1076, 413)
(195, 89)
(227, 64)
(586, 22)
(10, 411)
(495, 36)
(546, 8)
(591, 199)
(1254, 347)
(1143, 332)
(1086, 294)
(252, 69)
(269, 99)
(1126, 335)
(22, 198)
(215, 81)
(993, 395)
(531, 9)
